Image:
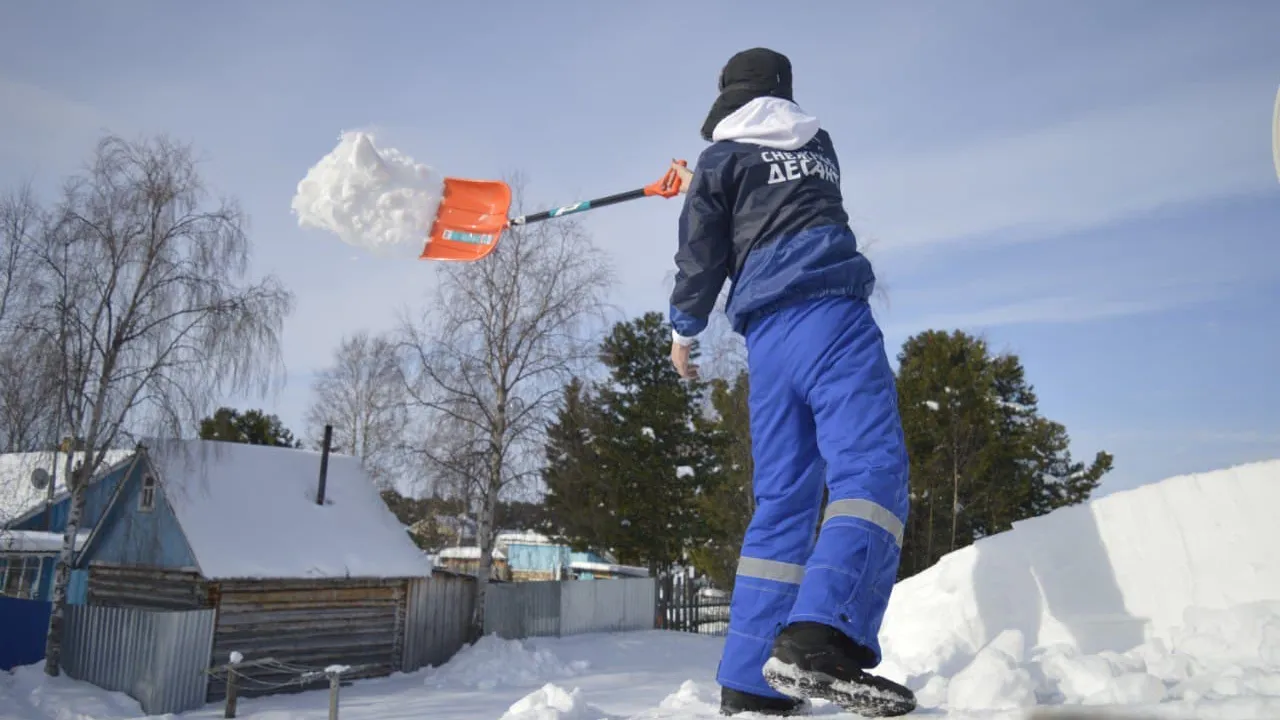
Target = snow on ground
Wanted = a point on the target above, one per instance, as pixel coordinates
(376, 199)
(495, 662)
(1163, 601)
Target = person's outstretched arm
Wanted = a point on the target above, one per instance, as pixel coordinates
(702, 259)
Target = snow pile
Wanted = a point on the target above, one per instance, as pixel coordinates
(1167, 594)
(691, 698)
(1104, 576)
(379, 200)
(1221, 662)
(27, 692)
(552, 702)
(495, 662)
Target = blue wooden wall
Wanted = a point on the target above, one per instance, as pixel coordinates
(125, 536)
(130, 536)
(536, 557)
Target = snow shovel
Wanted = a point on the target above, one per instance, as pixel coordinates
(473, 213)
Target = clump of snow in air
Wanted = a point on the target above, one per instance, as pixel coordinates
(376, 199)
(495, 662)
(552, 702)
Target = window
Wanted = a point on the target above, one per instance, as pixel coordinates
(20, 575)
(147, 495)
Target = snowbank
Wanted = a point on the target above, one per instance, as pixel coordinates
(27, 693)
(1222, 663)
(1105, 576)
(495, 662)
(379, 200)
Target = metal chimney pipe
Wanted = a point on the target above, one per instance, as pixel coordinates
(324, 462)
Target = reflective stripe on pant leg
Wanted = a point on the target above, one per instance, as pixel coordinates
(790, 573)
(787, 486)
(852, 391)
(868, 510)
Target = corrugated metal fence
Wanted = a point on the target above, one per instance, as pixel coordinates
(439, 610)
(436, 621)
(607, 605)
(158, 658)
(521, 610)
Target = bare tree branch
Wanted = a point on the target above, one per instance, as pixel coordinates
(364, 397)
(490, 354)
(142, 306)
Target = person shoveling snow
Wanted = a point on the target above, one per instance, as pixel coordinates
(764, 208)
(378, 200)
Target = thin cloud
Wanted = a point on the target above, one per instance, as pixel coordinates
(44, 129)
(1198, 143)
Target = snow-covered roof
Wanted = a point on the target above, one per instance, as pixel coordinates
(631, 570)
(18, 495)
(250, 511)
(522, 537)
(466, 553)
(36, 541)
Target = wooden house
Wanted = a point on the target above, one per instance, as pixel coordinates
(305, 567)
(31, 527)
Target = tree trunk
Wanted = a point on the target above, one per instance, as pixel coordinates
(62, 573)
(486, 563)
(489, 507)
(955, 492)
(928, 552)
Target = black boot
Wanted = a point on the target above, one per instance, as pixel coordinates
(733, 702)
(811, 660)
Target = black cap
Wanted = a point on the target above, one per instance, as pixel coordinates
(750, 74)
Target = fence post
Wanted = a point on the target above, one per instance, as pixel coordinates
(232, 687)
(335, 681)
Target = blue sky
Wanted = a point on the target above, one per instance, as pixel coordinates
(1088, 184)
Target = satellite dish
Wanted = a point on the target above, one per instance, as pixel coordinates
(39, 478)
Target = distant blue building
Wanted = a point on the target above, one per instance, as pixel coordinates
(532, 556)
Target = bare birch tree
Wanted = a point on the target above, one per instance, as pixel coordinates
(28, 371)
(146, 301)
(363, 396)
(490, 355)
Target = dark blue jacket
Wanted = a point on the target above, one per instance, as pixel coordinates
(770, 220)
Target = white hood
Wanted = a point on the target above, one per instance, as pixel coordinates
(770, 122)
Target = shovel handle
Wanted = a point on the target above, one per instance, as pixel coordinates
(671, 184)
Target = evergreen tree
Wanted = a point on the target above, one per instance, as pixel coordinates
(625, 462)
(581, 503)
(252, 427)
(982, 456)
(727, 501)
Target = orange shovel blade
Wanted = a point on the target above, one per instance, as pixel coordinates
(471, 218)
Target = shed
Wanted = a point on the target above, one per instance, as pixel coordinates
(205, 524)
